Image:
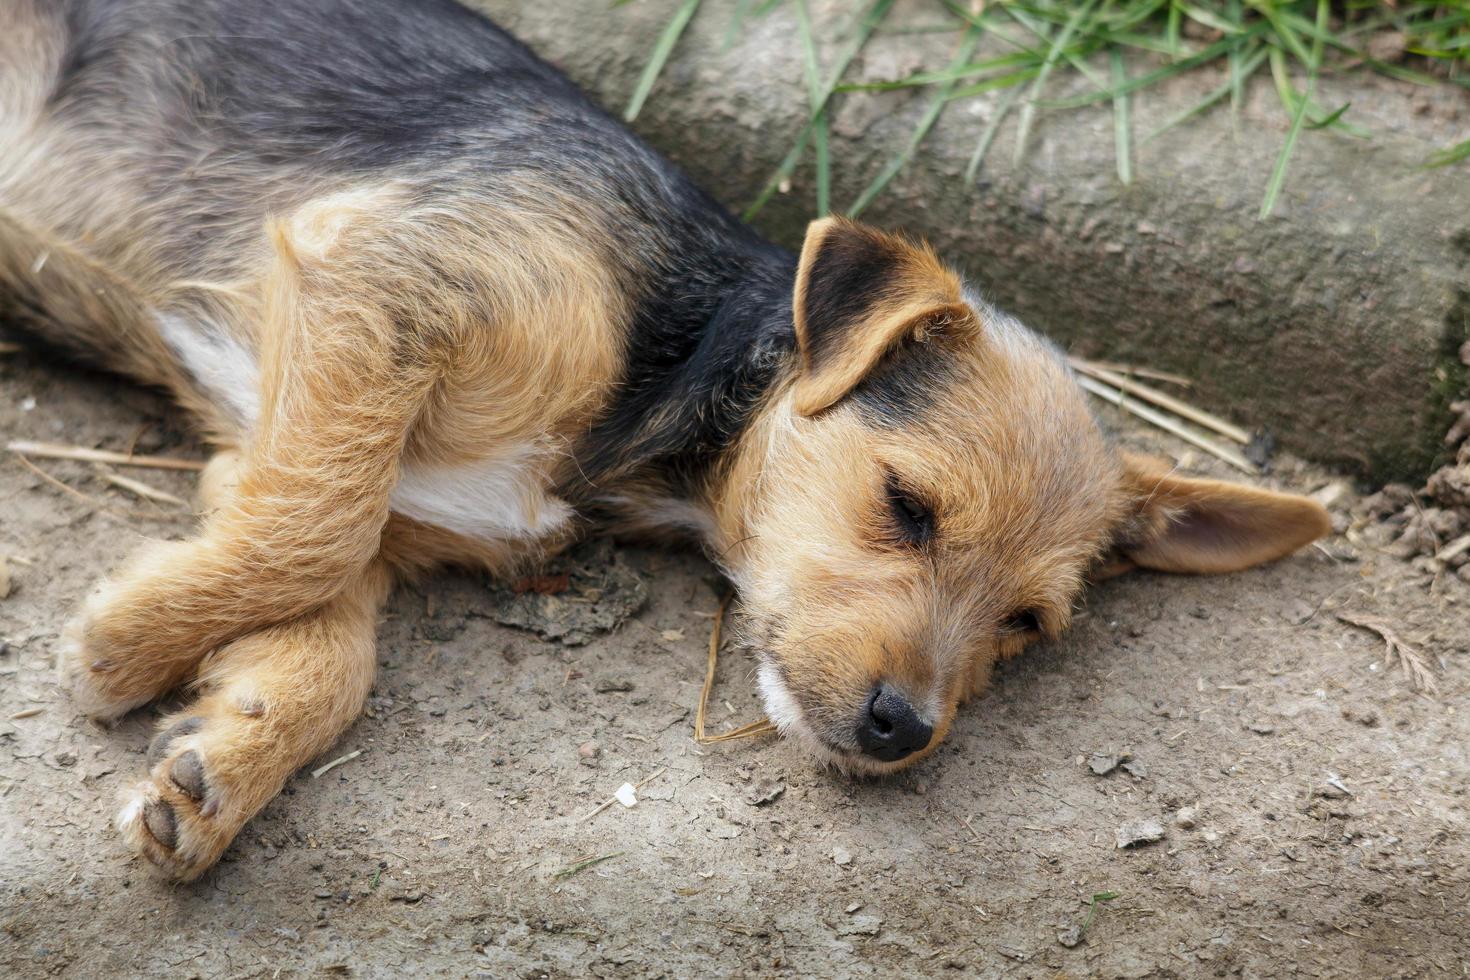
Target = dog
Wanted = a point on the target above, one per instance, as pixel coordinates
(436, 308)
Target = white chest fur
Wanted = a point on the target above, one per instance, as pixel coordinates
(499, 498)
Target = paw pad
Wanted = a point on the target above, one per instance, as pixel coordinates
(159, 818)
(188, 775)
(158, 748)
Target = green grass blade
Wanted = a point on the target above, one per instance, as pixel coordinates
(1121, 128)
(581, 866)
(926, 123)
(1283, 30)
(813, 71)
(958, 73)
(1208, 18)
(1278, 69)
(661, 51)
(737, 21)
(1239, 74)
(1329, 120)
(1449, 155)
(1072, 56)
(823, 163)
(1203, 57)
(1028, 111)
(991, 84)
(869, 23)
(987, 135)
(810, 67)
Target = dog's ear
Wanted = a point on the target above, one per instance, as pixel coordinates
(859, 294)
(1186, 525)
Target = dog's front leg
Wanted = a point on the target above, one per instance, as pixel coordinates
(271, 702)
(341, 387)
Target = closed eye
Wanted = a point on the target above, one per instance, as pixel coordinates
(1025, 621)
(913, 520)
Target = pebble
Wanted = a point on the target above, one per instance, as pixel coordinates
(1187, 817)
(1136, 833)
(1102, 763)
(1070, 937)
(4, 579)
(765, 791)
(609, 685)
(589, 750)
(860, 925)
(842, 855)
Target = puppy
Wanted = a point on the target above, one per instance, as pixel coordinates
(436, 308)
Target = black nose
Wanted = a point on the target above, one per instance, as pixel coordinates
(890, 728)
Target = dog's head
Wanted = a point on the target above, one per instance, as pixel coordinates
(929, 494)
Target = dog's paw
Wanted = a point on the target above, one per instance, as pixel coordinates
(184, 815)
(104, 685)
(124, 647)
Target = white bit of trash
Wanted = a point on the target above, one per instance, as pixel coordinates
(319, 773)
(1136, 833)
(627, 795)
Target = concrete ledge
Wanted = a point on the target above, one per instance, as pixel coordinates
(1335, 323)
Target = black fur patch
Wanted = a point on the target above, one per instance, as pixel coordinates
(704, 348)
(904, 386)
(852, 271)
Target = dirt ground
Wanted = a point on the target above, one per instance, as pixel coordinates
(1313, 805)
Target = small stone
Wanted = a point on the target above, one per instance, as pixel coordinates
(1070, 937)
(860, 925)
(4, 579)
(66, 759)
(1102, 763)
(1137, 833)
(841, 855)
(853, 907)
(1261, 727)
(1135, 769)
(672, 636)
(609, 685)
(1187, 817)
(588, 751)
(764, 792)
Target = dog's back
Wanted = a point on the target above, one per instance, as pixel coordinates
(144, 143)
